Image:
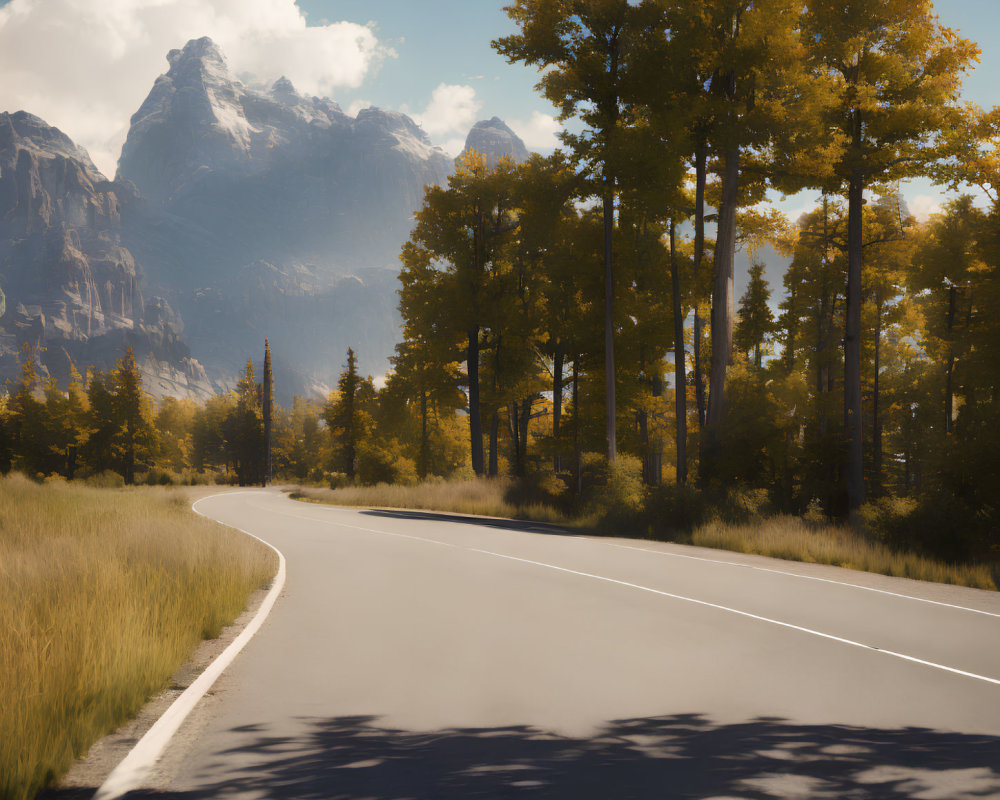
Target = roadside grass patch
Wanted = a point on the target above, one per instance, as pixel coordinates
(103, 594)
(487, 497)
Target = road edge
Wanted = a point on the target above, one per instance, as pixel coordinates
(134, 768)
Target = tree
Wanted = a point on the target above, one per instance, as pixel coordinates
(756, 322)
(346, 415)
(244, 429)
(584, 50)
(455, 254)
(267, 412)
(892, 73)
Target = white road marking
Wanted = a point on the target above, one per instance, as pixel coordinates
(799, 575)
(769, 620)
(134, 768)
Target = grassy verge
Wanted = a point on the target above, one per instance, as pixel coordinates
(795, 539)
(483, 497)
(103, 594)
(790, 538)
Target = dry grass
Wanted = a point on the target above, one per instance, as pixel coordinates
(103, 594)
(481, 496)
(794, 539)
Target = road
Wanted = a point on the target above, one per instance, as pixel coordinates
(416, 655)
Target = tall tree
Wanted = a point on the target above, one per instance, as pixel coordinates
(584, 49)
(892, 74)
(450, 263)
(267, 411)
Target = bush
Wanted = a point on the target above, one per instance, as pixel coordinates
(674, 510)
(108, 479)
(617, 495)
(385, 462)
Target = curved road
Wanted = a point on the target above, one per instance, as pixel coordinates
(415, 655)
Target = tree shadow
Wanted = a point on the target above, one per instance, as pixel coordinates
(682, 756)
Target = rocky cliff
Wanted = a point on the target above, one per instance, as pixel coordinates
(494, 139)
(237, 213)
(70, 287)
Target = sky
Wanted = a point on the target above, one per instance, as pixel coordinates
(85, 66)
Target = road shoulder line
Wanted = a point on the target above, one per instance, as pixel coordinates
(134, 768)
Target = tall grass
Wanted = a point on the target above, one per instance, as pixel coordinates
(103, 594)
(482, 496)
(795, 539)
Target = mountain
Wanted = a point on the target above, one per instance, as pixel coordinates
(70, 288)
(494, 139)
(257, 209)
(237, 212)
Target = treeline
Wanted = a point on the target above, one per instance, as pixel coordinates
(583, 288)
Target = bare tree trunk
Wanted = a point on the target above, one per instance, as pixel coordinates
(557, 402)
(577, 453)
(680, 376)
(475, 421)
(424, 443)
(722, 307)
(494, 437)
(609, 331)
(876, 418)
(700, 169)
(852, 346)
(949, 396)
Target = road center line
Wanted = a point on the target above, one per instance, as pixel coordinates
(683, 598)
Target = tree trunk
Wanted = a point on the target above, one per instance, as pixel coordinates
(523, 421)
(949, 396)
(494, 437)
(700, 170)
(680, 376)
(475, 421)
(577, 454)
(852, 346)
(557, 400)
(722, 307)
(609, 331)
(424, 443)
(876, 419)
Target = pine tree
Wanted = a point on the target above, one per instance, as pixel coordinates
(756, 322)
(267, 411)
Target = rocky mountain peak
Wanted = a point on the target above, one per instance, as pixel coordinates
(494, 139)
(282, 89)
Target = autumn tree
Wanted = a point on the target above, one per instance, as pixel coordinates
(584, 50)
(892, 74)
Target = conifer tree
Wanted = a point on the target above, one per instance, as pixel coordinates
(267, 411)
(756, 322)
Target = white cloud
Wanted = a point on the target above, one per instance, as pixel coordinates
(923, 206)
(86, 66)
(453, 146)
(538, 133)
(358, 105)
(452, 108)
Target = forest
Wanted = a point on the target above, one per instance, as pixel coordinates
(571, 322)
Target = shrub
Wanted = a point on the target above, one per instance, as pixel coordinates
(674, 510)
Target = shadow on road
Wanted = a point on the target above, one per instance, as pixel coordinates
(666, 757)
(461, 519)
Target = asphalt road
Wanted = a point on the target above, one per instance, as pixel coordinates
(416, 655)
